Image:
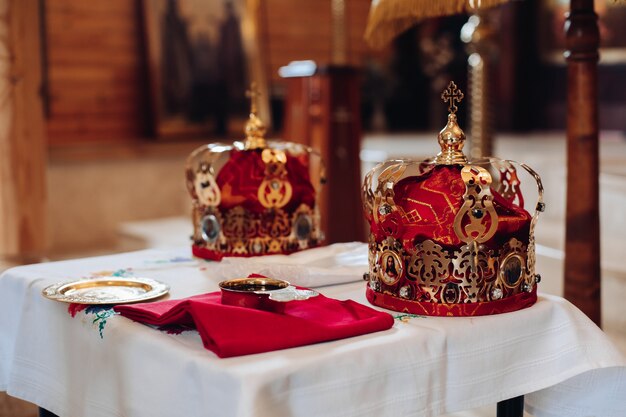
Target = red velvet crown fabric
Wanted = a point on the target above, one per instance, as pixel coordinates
(430, 203)
(240, 178)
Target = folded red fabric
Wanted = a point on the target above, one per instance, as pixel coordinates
(234, 331)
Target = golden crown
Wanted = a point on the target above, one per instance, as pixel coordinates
(450, 236)
(255, 197)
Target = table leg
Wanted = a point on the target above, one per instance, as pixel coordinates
(46, 413)
(513, 407)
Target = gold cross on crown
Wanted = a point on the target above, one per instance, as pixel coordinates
(452, 94)
(253, 94)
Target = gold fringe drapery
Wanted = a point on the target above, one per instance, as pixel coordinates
(389, 18)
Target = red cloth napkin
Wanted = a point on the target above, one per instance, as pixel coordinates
(235, 331)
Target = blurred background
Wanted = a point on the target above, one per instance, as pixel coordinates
(107, 163)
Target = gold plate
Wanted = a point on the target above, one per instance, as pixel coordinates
(106, 290)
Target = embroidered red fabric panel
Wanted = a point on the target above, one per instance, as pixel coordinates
(240, 178)
(430, 203)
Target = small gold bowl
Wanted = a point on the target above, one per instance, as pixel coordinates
(262, 293)
(254, 284)
(252, 293)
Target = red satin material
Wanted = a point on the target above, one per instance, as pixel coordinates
(505, 305)
(433, 200)
(233, 331)
(240, 178)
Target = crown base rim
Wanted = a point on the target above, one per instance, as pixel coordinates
(424, 308)
(215, 255)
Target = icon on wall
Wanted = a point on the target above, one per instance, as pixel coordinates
(202, 56)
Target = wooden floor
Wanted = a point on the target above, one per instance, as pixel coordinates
(12, 407)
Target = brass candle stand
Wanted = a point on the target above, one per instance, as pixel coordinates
(479, 35)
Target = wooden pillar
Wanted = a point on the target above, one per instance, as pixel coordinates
(22, 140)
(22, 148)
(479, 35)
(582, 236)
(336, 132)
(322, 111)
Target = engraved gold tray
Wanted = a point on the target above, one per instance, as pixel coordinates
(106, 290)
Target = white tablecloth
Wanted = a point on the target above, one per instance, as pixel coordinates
(423, 366)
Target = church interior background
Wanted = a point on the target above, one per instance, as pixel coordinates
(128, 88)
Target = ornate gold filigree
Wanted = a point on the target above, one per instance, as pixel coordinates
(384, 203)
(274, 246)
(539, 208)
(276, 159)
(477, 220)
(509, 187)
(428, 264)
(206, 188)
(275, 190)
(197, 212)
(274, 223)
(468, 274)
(239, 224)
(238, 247)
(257, 246)
(274, 193)
(467, 268)
(248, 233)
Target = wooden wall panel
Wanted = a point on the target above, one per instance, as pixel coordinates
(357, 11)
(22, 139)
(96, 73)
(299, 30)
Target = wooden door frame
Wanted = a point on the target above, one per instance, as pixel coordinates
(23, 146)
